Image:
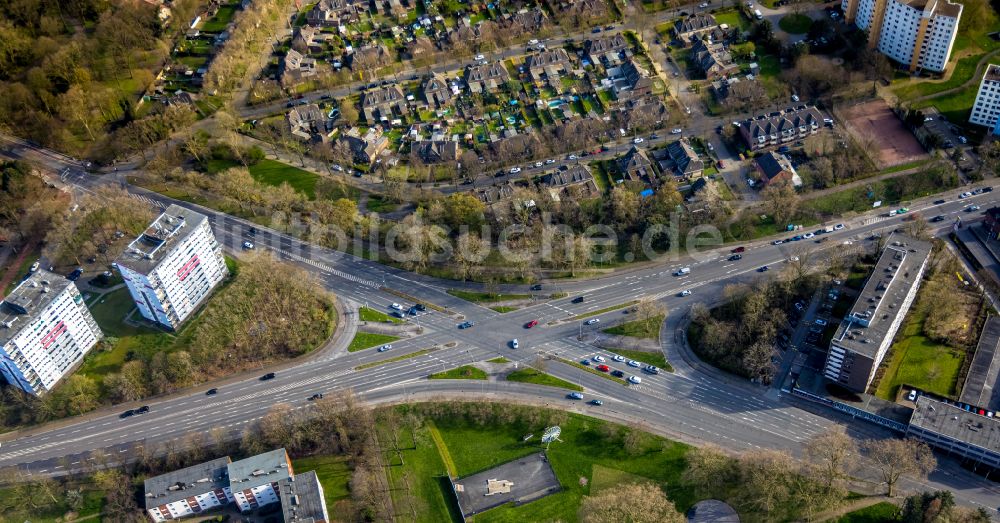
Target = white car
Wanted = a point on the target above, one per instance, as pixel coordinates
(514, 344)
(703, 5)
(592, 321)
(550, 161)
(912, 396)
(685, 293)
(514, 170)
(794, 259)
(638, 140)
(687, 109)
(533, 42)
(795, 97)
(964, 195)
(599, 359)
(385, 347)
(572, 157)
(396, 306)
(635, 380)
(34, 267)
(777, 242)
(809, 235)
(480, 57)
(337, 167)
(539, 164)
(838, 227)
(247, 245)
(618, 357)
(677, 130)
(633, 363)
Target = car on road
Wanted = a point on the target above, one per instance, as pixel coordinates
(578, 299)
(676, 130)
(574, 396)
(142, 410)
(652, 369)
(618, 357)
(838, 227)
(396, 306)
(536, 287)
(530, 324)
(127, 414)
(809, 235)
(248, 245)
(633, 363)
(603, 368)
(739, 249)
(683, 293)
(421, 307)
(793, 259)
(268, 376)
(938, 218)
(466, 324)
(964, 195)
(820, 321)
(514, 344)
(938, 202)
(703, 5)
(777, 242)
(572, 157)
(635, 380)
(763, 268)
(212, 392)
(412, 311)
(550, 161)
(618, 374)
(682, 271)
(480, 57)
(514, 170)
(736, 257)
(599, 359)
(972, 208)
(539, 164)
(596, 403)
(387, 346)
(638, 140)
(317, 396)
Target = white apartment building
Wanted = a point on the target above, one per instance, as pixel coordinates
(986, 110)
(173, 266)
(188, 491)
(45, 330)
(917, 33)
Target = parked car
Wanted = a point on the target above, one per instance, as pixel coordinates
(315, 397)
(635, 380)
(248, 245)
(676, 130)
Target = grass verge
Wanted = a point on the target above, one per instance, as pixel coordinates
(503, 309)
(648, 328)
(465, 372)
(606, 309)
(370, 314)
(397, 358)
(649, 358)
(529, 375)
(795, 23)
(486, 297)
(367, 340)
(500, 359)
(414, 299)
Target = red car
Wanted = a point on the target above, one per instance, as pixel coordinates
(603, 368)
(531, 324)
(739, 249)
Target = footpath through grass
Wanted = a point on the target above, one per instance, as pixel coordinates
(367, 340)
(465, 372)
(648, 328)
(529, 375)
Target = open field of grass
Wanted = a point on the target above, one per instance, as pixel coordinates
(273, 172)
(648, 328)
(367, 340)
(465, 372)
(334, 474)
(890, 191)
(733, 18)
(884, 512)
(370, 314)
(916, 360)
(795, 23)
(530, 375)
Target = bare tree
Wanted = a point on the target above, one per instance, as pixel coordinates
(896, 458)
(629, 503)
(833, 453)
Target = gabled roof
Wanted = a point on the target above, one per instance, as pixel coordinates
(695, 22)
(435, 83)
(685, 159)
(635, 159)
(772, 164)
(387, 94)
(607, 44)
(572, 176)
(481, 73)
(786, 121)
(548, 58)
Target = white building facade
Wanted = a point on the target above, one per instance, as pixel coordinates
(986, 110)
(917, 33)
(45, 331)
(173, 266)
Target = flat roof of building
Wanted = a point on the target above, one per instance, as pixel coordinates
(956, 423)
(896, 272)
(258, 470)
(982, 384)
(152, 246)
(179, 484)
(32, 295)
(992, 73)
(301, 499)
(522, 480)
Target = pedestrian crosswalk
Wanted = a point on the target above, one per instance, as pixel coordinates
(327, 268)
(875, 219)
(145, 199)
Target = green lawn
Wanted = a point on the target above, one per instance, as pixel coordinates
(401, 357)
(273, 172)
(795, 23)
(530, 375)
(465, 372)
(884, 512)
(499, 359)
(956, 106)
(920, 362)
(334, 474)
(486, 297)
(367, 340)
(649, 328)
(370, 314)
(221, 19)
(964, 69)
(650, 358)
(733, 18)
(379, 203)
(503, 309)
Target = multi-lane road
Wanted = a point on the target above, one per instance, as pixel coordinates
(688, 404)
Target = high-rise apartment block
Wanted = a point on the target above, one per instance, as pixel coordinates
(917, 33)
(986, 110)
(172, 266)
(45, 330)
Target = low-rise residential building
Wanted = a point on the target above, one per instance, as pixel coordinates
(776, 168)
(693, 25)
(295, 68)
(607, 51)
(684, 161)
(384, 104)
(45, 331)
(635, 166)
(494, 194)
(549, 65)
(630, 81)
(365, 147)
(308, 39)
(866, 332)
(958, 431)
(768, 130)
(574, 182)
(986, 109)
(982, 382)
(525, 21)
(249, 483)
(739, 93)
(172, 267)
(917, 33)
(332, 13)
(436, 91)
(309, 123)
(712, 59)
(486, 77)
(436, 151)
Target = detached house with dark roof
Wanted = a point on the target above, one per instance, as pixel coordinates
(384, 103)
(780, 127)
(630, 81)
(436, 91)
(486, 78)
(436, 151)
(635, 166)
(712, 59)
(694, 25)
(776, 168)
(366, 147)
(607, 51)
(684, 161)
(295, 68)
(573, 182)
(549, 65)
(332, 13)
(308, 123)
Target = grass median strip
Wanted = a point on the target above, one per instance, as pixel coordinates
(465, 372)
(651, 358)
(606, 309)
(591, 370)
(500, 359)
(486, 297)
(370, 314)
(397, 358)
(367, 340)
(529, 375)
(502, 309)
